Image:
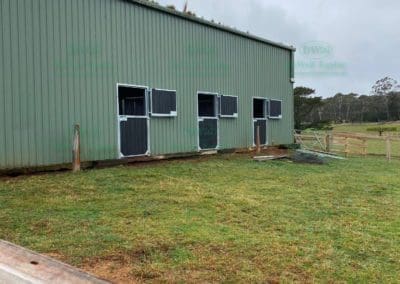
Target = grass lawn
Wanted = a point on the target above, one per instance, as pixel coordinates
(362, 127)
(221, 218)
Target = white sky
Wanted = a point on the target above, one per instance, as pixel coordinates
(363, 35)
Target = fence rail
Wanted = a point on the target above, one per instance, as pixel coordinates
(350, 143)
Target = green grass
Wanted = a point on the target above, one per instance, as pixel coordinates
(225, 218)
(362, 127)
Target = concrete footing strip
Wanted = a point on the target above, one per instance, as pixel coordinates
(20, 265)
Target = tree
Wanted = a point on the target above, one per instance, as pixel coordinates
(383, 104)
(394, 105)
(341, 108)
(382, 88)
(304, 105)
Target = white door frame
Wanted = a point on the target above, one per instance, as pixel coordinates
(126, 117)
(257, 119)
(201, 118)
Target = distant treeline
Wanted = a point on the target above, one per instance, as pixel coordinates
(382, 105)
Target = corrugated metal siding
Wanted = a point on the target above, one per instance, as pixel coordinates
(61, 60)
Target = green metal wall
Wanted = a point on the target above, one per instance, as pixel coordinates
(60, 61)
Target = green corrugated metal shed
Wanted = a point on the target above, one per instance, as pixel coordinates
(61, 60)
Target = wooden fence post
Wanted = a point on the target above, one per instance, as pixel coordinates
(258, 146)
(346, 147)
(388, 148)
(328, 142)
(76, 150)
(364, 148)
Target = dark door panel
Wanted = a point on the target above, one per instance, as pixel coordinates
(134, 136)
(208, 133)
(263, 131)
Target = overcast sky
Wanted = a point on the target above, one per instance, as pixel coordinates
(342, 46)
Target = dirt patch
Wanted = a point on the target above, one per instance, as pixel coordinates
(116, 268)
(125, 267)
(275, 151)
(111, 270)
(219, 263)
(55, 255)
(16, 174)
(156, 162)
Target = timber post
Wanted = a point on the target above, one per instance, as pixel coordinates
(364, 147)
(346, 147)
(328, 142)
(76, 150)
(388, 148)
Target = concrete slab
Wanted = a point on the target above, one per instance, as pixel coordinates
(20, 265)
